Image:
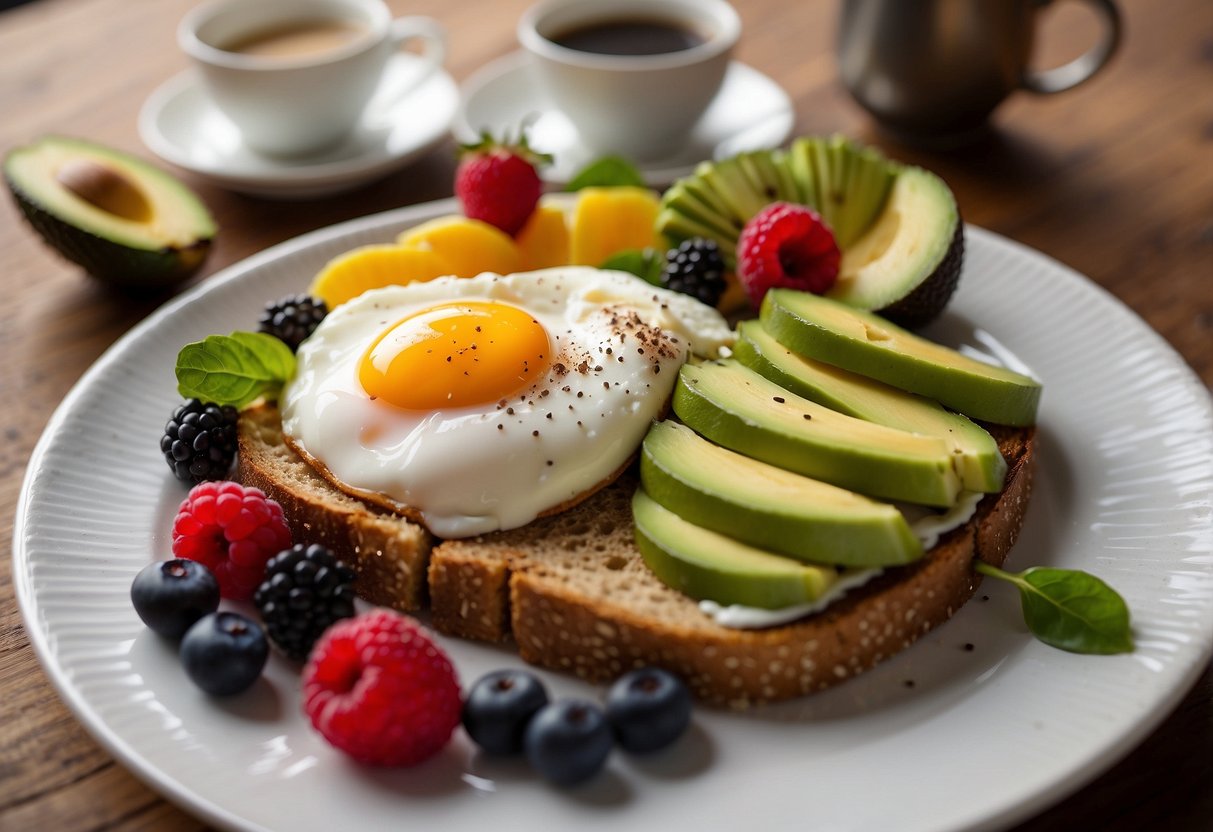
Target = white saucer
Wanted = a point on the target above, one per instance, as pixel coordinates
(751, 112)
(181, 125)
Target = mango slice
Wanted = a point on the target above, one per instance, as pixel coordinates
(468, 246)
(370, 267)
(610, 220)
(544, 241)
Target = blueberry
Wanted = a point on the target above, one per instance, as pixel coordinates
(171, 595)
(648, 709)
(224, 653)
(568, 742)
(499, 707)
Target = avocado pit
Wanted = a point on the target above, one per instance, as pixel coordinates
(105, 188)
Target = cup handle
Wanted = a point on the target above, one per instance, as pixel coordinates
(1072, 74)
(433, 48)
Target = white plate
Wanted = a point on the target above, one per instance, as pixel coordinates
(751, 112)
(984, 737)
(180, 124)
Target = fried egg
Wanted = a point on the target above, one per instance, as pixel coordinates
(479, 404)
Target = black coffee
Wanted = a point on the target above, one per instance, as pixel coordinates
(629, 37)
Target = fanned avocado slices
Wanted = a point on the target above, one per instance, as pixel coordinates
(898, 226)
(124, 221)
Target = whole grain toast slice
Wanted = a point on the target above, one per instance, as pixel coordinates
(389, 553)
(576, 596)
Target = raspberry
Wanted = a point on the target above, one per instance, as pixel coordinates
(199, 441)
(232, 531)
(788, 246)
(377, 688)
(695, 268)
(306, 589)
(292, 319)
(498, 183)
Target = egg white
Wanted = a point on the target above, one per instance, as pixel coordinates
(617, 344)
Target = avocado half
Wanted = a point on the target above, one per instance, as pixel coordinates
(898, 226)
(124, 221)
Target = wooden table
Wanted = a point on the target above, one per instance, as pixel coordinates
(1114, 179)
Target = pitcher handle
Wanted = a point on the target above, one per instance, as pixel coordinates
(1072, 74)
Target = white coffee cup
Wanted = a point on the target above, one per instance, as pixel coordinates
(640, 106)
(295, 104)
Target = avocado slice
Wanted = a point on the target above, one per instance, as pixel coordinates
(897, 226)
(704, 564)
(864, 343)
(974, 452)
(916, 243)
(123, 220)
(768, 507)
(736, 407)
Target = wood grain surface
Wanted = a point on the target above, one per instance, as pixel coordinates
(1114, 179)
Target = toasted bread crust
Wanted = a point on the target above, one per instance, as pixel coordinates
(609, 628)
(414, 514)
(575, 595)
(389, 554)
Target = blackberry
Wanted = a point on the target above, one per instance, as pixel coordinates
(695, 268)
(292, 318)
(305, 590)
(199, 441)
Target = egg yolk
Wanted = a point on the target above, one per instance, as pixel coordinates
(455, 355)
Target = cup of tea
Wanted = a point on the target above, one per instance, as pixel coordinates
(932, 71)
(295, 76)
(633, 76)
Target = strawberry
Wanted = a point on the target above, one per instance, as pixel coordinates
(498, 182)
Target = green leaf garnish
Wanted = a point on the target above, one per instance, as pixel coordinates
(645, 263)
(609, 171)
(1070, 609)
(234, 369)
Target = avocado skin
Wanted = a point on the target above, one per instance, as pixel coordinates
(927, 300)
(130, 269)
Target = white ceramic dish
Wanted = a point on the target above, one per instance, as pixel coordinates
(181, 125)
(983, 738)
(751, 112)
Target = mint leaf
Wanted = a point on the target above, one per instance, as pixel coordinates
(1070, 609)
(645, 263)
(609, 171)
(234, 369)
(275, 356)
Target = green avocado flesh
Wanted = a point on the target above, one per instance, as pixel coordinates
(908, 240)
(768, 507)
(975, 454)
(704, 564)
(735, 407)
(837, 334)
(897, 226)
(123, 220)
